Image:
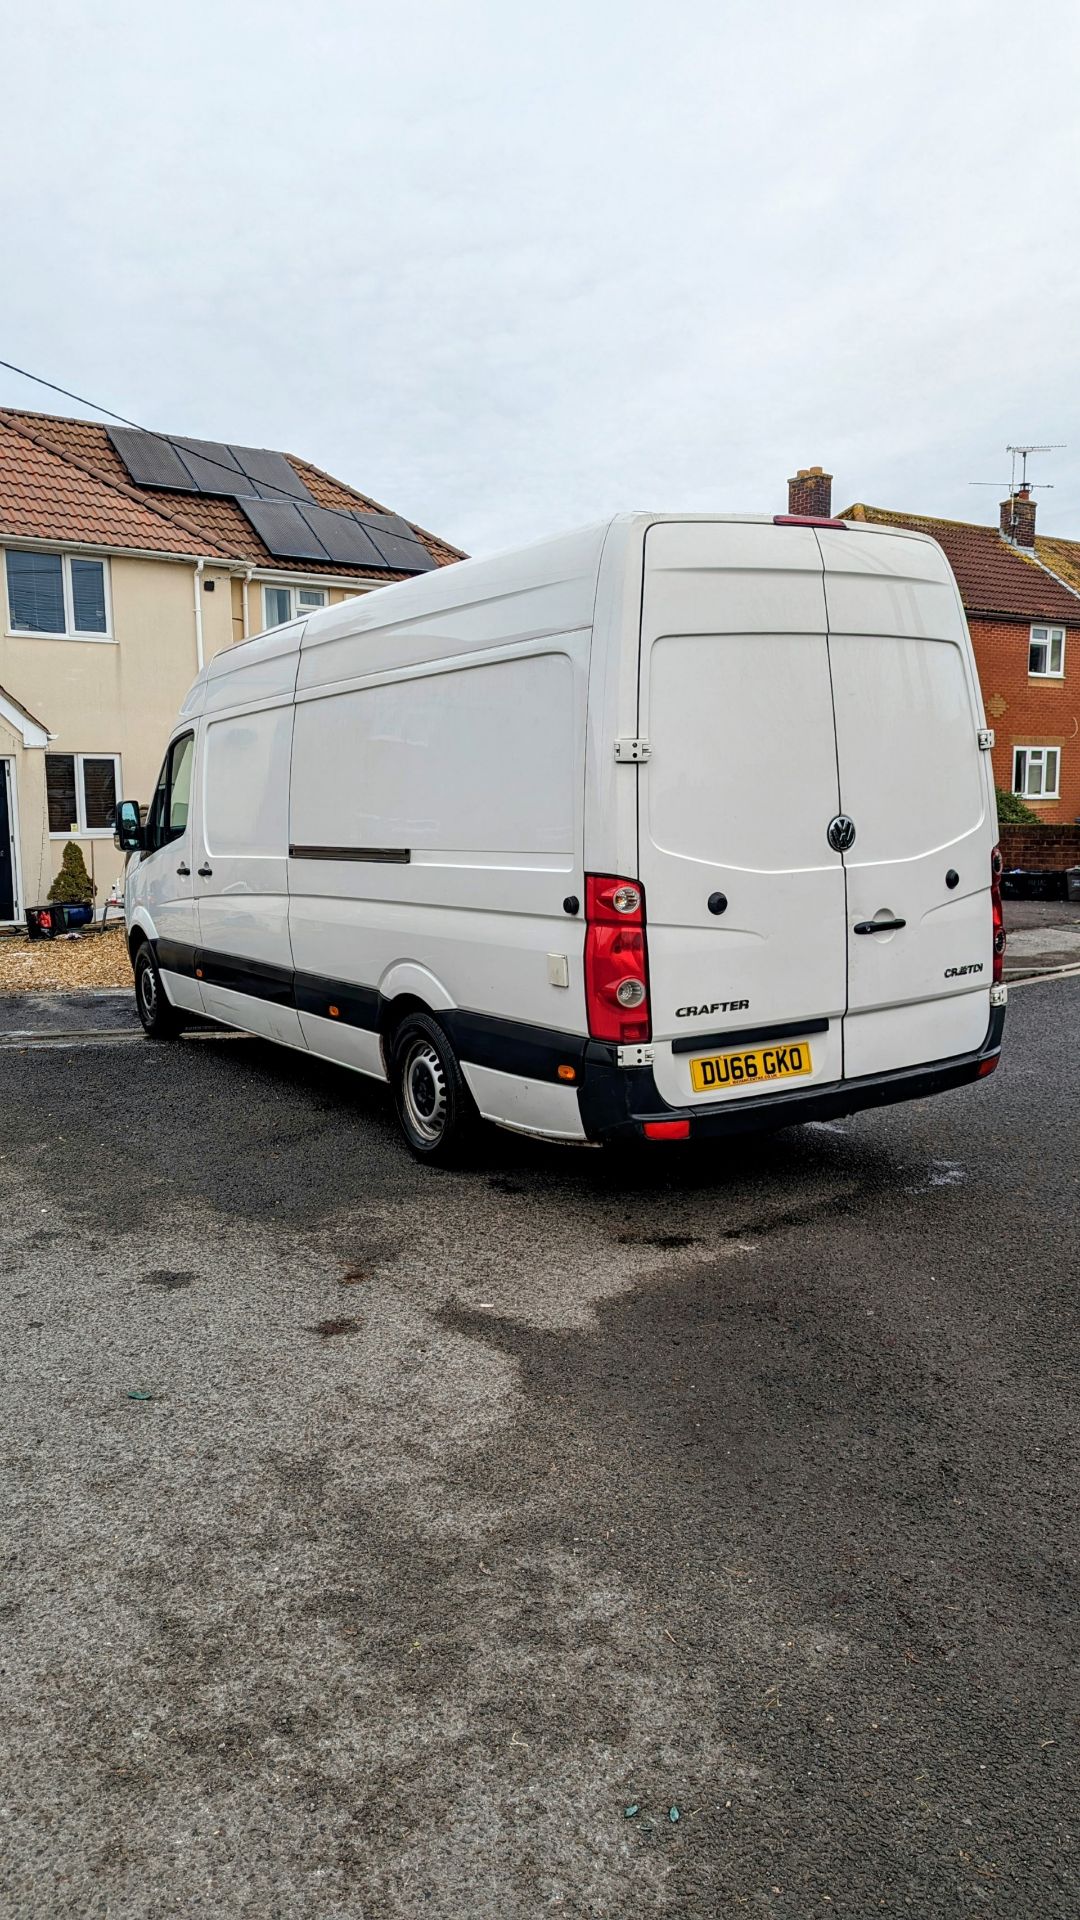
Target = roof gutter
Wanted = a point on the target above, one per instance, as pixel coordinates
(35, 545)
(224, 563)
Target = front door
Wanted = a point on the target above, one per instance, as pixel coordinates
(744, 894)
(165, 874)
(7, 844)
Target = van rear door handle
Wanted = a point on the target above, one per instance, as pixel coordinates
(880, 926)
(205, 872)
(183, 871)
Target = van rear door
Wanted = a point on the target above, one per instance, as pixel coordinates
(736, 798)
(914, 784)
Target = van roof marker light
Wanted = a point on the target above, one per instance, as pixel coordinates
(805, 520)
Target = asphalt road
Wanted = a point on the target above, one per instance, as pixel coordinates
(470, 1511)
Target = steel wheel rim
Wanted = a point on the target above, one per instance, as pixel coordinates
(148, 991)
(423, 1090)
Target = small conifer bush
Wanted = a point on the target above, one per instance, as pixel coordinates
(72, 886)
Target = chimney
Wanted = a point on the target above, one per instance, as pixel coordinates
(811, 493)
(1018, 518)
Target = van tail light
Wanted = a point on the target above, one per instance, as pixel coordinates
(616, 959)
(998, 915)
(999, 918)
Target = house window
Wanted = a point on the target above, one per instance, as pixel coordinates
(81, 790)
(61, 595)
(1035, 772)
(1046, 654)
(290, 603)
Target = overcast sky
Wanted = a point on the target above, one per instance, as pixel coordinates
(511, 268)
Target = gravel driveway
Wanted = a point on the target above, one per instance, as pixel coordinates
(676, 1536)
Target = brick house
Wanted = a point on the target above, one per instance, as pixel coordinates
(127, 560)
(1021, 593)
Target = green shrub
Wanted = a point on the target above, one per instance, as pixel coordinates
(1014, 812)
(72, 886)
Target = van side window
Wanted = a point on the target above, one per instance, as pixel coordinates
(167, 818)
(183, 761)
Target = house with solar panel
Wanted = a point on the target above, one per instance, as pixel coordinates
(127, 560)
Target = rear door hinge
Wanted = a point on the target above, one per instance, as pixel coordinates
(986, 738)
(632, 749)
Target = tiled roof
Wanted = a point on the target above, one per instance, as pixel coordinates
(63, 480)
(994, 576)
(1062, 557)
(46, 495)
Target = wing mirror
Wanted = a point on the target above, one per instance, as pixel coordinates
(129, 835)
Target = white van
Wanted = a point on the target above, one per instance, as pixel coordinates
(671, 828)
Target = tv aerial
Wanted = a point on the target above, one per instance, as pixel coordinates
(1020, 453)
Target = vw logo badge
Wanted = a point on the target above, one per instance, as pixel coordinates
(841, 833)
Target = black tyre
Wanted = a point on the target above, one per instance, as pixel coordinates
(434, 1106)
(158, 1015)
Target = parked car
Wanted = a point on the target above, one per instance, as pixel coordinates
(666, 829)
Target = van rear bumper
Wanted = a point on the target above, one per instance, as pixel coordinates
(617, 1102)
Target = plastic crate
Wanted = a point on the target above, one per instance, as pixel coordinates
(44, 923)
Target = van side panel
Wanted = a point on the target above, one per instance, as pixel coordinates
(435, 832)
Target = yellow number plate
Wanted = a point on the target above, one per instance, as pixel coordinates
(716, 1072)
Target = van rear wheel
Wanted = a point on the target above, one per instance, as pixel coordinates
(158, 1015)
(434, 1106)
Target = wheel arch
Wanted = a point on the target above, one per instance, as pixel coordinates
(408, 988)
(140, 933)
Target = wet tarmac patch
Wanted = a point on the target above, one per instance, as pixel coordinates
(167, 1280)
(668, 1242)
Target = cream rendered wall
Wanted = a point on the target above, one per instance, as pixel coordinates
(117, 696)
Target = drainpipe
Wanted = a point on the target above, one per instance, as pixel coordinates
(199, 565)
(244, 597)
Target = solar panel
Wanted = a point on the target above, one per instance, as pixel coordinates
(388, 522)
(281, 528)
(211, 466)
(346, 543)
(324, 533)
(150, 461)
(206, 466)
(273, 475)
(405, 555)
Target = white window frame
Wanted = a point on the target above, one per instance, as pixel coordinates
(70, 631)
(296, 610)
(1047, 635)
(1042, 753)
(83, 832)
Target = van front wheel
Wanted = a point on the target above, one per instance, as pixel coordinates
(159, 1017)
(434, 1106)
